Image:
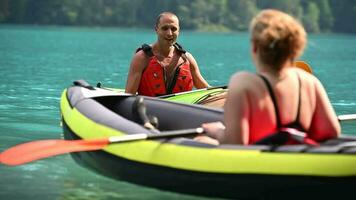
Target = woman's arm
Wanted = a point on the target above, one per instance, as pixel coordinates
(236, 114)
(236, 110)
(324, 124)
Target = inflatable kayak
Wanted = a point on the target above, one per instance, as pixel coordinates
(212, 97)
(180, 164)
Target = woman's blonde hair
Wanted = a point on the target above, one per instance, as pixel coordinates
(278, 36)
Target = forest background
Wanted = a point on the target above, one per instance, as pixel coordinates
(199, 15)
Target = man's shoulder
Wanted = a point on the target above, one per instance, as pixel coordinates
(139, 59)
(140, 55)
(145, 49)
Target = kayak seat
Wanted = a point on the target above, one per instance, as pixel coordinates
(349, 150)
(190, 142)
(339, 140)
(264, 148)
(291, 148)
(325, 149)
(170, 115)
(140, 115)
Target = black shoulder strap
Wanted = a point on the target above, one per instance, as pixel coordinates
(179, 48)
(270, 91)
(147, 49)
(174, 81)
(299, 99)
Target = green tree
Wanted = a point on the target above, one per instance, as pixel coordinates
(148, 11)
(345, 15)
(316, 15)
(17, 11)
(292, 7)
(326, 18)
(183, 12)
(240, 13)
(4, 10)
(311, 17)
(201, 14)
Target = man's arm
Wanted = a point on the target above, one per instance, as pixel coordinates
(138, 64)
(198, 79)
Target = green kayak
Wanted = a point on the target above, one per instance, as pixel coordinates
(181, 164)
(212, 97)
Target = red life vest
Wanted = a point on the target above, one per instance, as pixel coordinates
(153, 81)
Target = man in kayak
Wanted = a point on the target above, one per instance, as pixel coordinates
(278, 99)
(164, 67)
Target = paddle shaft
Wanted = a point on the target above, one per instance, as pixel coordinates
(36, 150)
(165, 134)
(347, 117)
(187, 92)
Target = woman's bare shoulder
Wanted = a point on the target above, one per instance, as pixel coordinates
(308, 78)
(243, 80)
(305, 75)
(243, 75)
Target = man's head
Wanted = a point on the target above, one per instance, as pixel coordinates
(167, 27)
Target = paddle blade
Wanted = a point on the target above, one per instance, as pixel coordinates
(36, 150)
(303, 65)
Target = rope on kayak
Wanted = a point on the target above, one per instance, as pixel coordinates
(214, 99)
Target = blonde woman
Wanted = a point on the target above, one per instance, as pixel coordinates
(279, 95)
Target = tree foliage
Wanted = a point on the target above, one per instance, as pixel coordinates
(316, 15)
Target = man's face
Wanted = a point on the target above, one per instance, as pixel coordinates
(168, 29)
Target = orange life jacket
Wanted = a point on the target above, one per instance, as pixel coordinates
(153, 79)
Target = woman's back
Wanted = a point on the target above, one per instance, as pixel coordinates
(262, 117)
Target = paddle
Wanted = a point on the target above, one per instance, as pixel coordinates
(303, 65)
(187, 92)
(307, 68)
(346, 117)
(36, 150)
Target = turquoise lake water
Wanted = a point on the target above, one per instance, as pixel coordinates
(38, 63)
